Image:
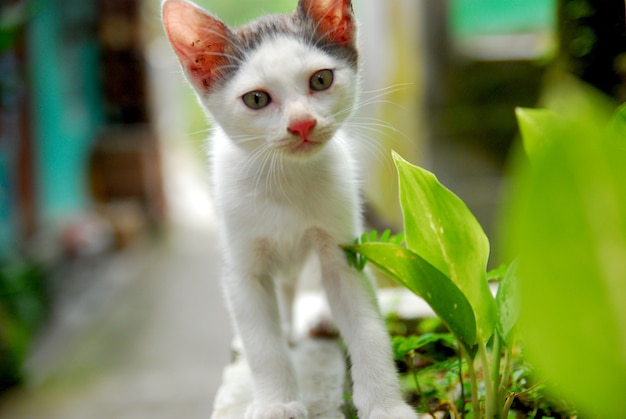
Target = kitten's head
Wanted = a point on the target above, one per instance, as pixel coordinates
(285, 82)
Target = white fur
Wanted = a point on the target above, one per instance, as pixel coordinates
(278, 207)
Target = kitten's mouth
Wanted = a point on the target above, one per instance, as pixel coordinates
(305, 145)
(302, 147)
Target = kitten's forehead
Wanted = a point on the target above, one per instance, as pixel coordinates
(286, 57)
(256, 33)
(259, 40)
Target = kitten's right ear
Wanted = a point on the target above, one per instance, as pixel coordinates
(198, 39)
(334, 19)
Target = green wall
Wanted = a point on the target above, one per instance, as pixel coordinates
(66, 105)
(485, 17)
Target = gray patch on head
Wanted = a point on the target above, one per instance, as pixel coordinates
(249, 37)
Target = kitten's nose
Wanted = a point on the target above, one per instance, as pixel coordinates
(302, 128)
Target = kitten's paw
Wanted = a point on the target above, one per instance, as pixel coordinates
(292, 410)
(398, 411)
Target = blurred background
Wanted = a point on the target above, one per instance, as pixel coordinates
(109, 299)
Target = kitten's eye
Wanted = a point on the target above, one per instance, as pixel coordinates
(256, 100)
(321, 80)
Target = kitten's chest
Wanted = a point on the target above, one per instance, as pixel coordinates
(283, 201)
(289, 198)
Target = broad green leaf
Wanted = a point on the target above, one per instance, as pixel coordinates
(507, 303)
(538, 127)
(618, 123)
(416, 274)
(567, 221)
(442, 230)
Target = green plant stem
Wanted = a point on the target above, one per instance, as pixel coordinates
(474, 385)
(461, 381)
(414, 373)
(507, 405)
(453, 410)
(496, 358)
(490, 405)
(504, 378)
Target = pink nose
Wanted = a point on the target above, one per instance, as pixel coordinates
(302, 128)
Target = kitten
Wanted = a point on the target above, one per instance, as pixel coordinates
(279, 90)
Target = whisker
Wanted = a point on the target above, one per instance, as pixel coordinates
(208, 130)
(265, 160)
(274, 178)
(389, 89)
(371, 121)
(381, 128)
(376, 98)
(283, 177)
(374, 148)
(242, 139)
(364, 104)
(253, 159)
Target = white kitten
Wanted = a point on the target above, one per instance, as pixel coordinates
(279, 90)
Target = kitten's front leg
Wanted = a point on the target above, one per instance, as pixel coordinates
(252, 298)
(287, 293)
(353, 303)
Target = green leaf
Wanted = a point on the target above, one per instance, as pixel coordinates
(404, 345)
(497, 274)
(416, 274)
(442, 230)
(618, 123)
(507, 303)
(450, 364)
(397, 239)
(359, 261)
(567, 221)
(538, 127)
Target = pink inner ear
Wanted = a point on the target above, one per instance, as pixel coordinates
(198, 39)
(334, 18)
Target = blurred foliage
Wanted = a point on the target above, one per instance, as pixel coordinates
(592, 43)
(23, 306)
(566, 219)
(12, 19)
(481, 95)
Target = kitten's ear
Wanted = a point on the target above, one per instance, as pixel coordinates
(334, 19)
(198, 39)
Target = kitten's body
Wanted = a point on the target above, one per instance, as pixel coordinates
(286, 188)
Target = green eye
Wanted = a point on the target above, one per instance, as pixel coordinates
(256, 100)
(321, 80)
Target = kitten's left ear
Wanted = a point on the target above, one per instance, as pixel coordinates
(334, 19)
